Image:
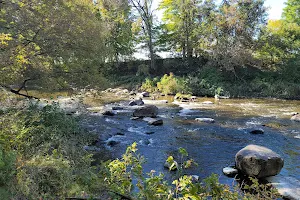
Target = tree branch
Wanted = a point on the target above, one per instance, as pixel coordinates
(17, 92)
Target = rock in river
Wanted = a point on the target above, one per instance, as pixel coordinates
(108, 113)
(207, 120)
(296, 118)
(153, 121)
(112, 143)
(144, 94)
(258, 161)
(138, 102)
(230, 171)
(146, 111)
(257, 131)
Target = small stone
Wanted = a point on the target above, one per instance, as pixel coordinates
(230, 171)
(117, 108)
(144, 94)
(120, 133)
(207, 120)
(157, 122)
(195, 178)
(132, 93)
(150, 133)
(138, 102)
(168, 165)
(108, 113)
(154, 122)
(257, 131)
(112, 143)
(132, 103)
(135, 118)
(296, 118)
(207, 102)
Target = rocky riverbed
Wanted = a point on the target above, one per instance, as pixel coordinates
(212, 131)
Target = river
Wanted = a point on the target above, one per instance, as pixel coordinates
(212, 145)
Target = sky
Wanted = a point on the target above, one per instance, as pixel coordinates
(275, 7)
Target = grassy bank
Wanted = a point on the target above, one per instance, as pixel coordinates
(206, 79)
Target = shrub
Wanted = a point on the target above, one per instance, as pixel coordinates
(169, 84)
(122, 175)
(7, 167)
(51, 162)
(149, 85)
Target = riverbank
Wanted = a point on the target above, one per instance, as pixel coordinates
(211, 145)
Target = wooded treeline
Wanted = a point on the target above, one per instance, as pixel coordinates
(77, 43)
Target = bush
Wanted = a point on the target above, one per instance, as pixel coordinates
(169, 84)
(122, 175)
(149, 85)
(50, 160)
(7, 167)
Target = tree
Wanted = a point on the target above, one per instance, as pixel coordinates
(181, 18)
(59, 40)
(116, 15)
(291, 13)
(145, 11)
(237, 25)
(281, 38)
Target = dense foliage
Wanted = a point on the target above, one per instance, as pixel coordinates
(42, 154)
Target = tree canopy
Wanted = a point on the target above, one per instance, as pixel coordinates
(70, 42)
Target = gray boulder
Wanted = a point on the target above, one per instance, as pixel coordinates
(138, 102)
(296, 118)
(258, 161)
(108, 113)
(144, 94)
(153, 121)
(256, 131)
(146, 111)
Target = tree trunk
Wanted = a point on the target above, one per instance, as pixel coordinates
(151, 49)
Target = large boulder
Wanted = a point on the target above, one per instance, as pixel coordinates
(296, 118)
(258, 161)
(146, 111)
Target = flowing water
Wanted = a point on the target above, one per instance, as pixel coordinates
(212, 146)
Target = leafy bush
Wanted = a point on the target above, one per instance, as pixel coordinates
(50, 160)
(7, 167)
(48, 177)
(169, 84)
(149, 85)
(121, 174)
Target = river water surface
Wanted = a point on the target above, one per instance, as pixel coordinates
(212, 146)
